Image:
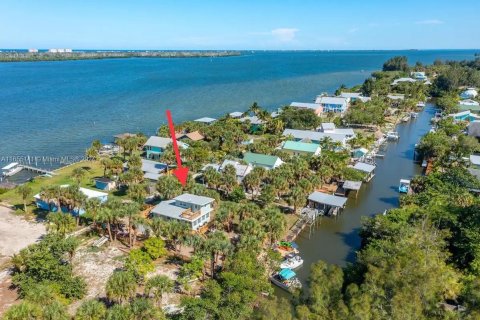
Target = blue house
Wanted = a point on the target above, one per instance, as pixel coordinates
(156, 145)
(50, 205)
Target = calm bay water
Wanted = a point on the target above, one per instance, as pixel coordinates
(58, 108)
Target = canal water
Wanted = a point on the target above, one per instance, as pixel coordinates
(336, 240)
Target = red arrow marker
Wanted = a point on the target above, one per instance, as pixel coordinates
(181, 172)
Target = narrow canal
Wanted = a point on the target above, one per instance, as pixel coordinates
(336, 240)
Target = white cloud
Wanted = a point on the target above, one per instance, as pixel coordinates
(431, 21)
(284, 34)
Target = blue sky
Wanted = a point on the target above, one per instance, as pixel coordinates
(240, 24)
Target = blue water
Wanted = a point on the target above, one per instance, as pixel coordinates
(58, 108)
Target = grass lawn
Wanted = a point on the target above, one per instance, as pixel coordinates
(63, 176)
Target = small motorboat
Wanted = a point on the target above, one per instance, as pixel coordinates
(421, 104)
(404, 186)
(414, 115)
(392, 135)
(286, 279)
(292, 261)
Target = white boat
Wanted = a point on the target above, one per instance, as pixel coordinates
(11, 169)
(404, 186)
(414, 114)
(392, 135)
(287, 280)
(291, 262)
(421, 104)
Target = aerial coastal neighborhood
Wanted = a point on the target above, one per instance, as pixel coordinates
(258, 180)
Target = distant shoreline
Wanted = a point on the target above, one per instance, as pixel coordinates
(15, 56)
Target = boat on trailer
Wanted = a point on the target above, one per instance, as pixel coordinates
(11, 169)
(292, 261)
(286, 279)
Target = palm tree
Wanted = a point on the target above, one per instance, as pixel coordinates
(91, 310)
(134, 161)
(137, 192)
(176, 232)
(131, 211)
(168, 187)
(297, 198)
(106, 215)
(61, 223)
(275, 224)
(121, 287)
(78, 174)
(158, 227)
(92, 207)
(55, 311)
(158, 285)
(23, 311)
(25, 192)
(217, 243)
(143, 309)
(254, 108)
(106, 163)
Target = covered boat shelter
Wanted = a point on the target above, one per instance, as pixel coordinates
(347, 187)
(329, 204)
(369, 169)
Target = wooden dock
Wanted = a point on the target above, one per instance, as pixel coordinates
(37, 170)
(307, 219)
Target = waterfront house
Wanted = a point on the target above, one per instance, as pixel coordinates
(236, 114)
(469, 93)
(262, 160)
(206, 120)
(326, 203)
(316, 107)
(193, 136)
(105, 184)
(369, 169)
(189, 208)
(156, 145)
(297, 148)
(354, 96)
(315, 136)
(332, 104)
(469, 104)
(50, 206)
(153, 170)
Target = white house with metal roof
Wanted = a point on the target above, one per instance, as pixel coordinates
(332, 104)
(189, 208)
(329, 127)
(469, 93)
(153, 170)
(354, 96)
(315, 136)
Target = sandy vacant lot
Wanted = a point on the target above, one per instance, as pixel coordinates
(16, 233)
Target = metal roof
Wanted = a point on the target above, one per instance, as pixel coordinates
(194, 199)
(206, 120)
(236, 114)
(260, 159)
(10, 166)
(153, 166)
(305, 105)
(327, 199)
(474, 159)
(331, 100)
(159, 142)
(314, 135)
(352, 185)
(365, 167)
(301, 146)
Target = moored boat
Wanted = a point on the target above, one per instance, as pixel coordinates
(292, 261)
(404, 186)
(287, 280)
(392, 135)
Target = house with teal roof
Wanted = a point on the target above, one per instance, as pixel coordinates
(155, 146)
(297, 148)
(262, 160)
